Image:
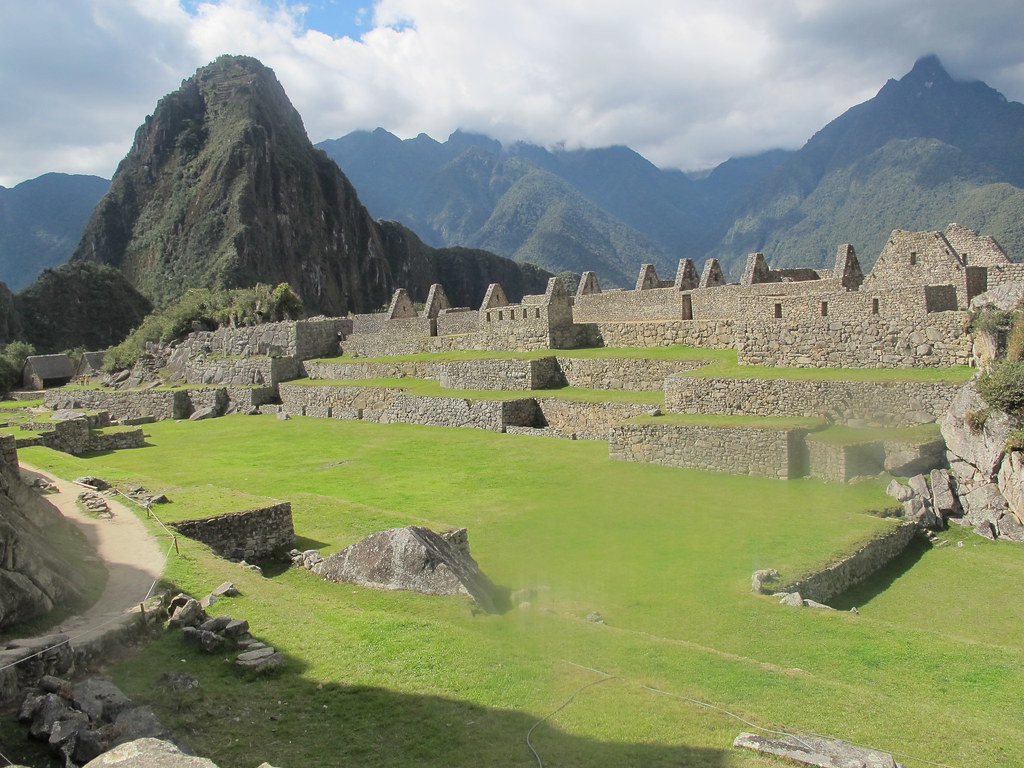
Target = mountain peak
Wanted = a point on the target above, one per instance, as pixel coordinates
(927, 69)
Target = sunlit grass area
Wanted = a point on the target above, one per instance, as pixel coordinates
(931, 665)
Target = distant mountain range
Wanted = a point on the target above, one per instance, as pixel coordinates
(205, 199)
(222, 189)
(41, 222)
(927, 150)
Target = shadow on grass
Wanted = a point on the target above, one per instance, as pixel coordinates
(864, 593)
(239, 718)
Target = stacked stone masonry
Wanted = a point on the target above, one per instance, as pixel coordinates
(756, 452)
(255, 534)
(894, 403)
(858, 567)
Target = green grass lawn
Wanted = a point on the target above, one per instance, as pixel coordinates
(933, 665)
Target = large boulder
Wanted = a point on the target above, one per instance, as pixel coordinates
(148, 753)
(974, 453)
(413, 558)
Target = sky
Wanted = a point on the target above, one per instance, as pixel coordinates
(687, 83)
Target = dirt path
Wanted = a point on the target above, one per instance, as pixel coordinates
(134, 557)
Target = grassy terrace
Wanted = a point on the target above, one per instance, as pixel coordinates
(719, 363)
(433, 388)
(664, 555)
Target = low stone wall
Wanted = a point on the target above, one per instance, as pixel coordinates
(316, 369)
(757, 452)
(935, 340)
(622, 372)
(255, 534)
(858, 567)
(543, 373)
(9, 450)
(303, 339)
(161, 404)
(587, 421)
(241, 371)
(896, 403)
(712, 334)
(116, 441)
(207, 397)
(296, 397)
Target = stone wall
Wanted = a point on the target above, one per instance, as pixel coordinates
(895, 403)
(298, 397)
(1001, 274)
(451, 322)
(115, 441)
(241, 371)
(303, 339)
(858, 567)
(713, 334)
(9, 450)
(160, 404)
(739, 451)
(356, 370)
(622, 372)
(631, 306)
(501, 374)
(585, 420)
(255, 534)
(936, 340)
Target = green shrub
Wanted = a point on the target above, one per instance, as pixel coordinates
(1015, 340)
(975, 420)
(1015, 440)
(1003, 387)
(993, 321)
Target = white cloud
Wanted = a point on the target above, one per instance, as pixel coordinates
(686, 83)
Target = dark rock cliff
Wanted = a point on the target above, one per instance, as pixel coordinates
(223, 189)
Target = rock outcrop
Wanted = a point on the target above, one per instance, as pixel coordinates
(413, 558)
(988, 479)
(40, 553)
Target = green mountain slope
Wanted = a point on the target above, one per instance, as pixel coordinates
(41, 221)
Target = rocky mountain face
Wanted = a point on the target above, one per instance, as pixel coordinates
(41, 221)
(925, 151)
(222, 189)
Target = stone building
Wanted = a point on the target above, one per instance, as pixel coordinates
(44, 371)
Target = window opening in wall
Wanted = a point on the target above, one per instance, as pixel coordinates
(913, 258)
(874, 306)
(965, 259)
(824, 309)
(536, 314)
(500, 316)
(778, 310)
(525, 313)
(487, 317)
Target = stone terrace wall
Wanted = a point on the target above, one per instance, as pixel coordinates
(543, 373)
(757, 452)
(590, 421)
(161, 404)
(298, 398)
(896, 403)
(861, 565)
(937, 340)
(316, 337)
(9, 450)
(839, 463)
(357, 370)
(241, 371)
(713, 334)
(451, 322)
(251, 535)
(492, 415)
(622, 372)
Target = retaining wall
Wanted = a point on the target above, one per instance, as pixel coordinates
(739, 451)
(251, 535)
(837, 463)
(356, 370)
(858, 567)
(895, 403)
(936, 340)
(241, 371)
(622, 372)
(589, 421)
(161, 404)
(499, 374)
(713, 334)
